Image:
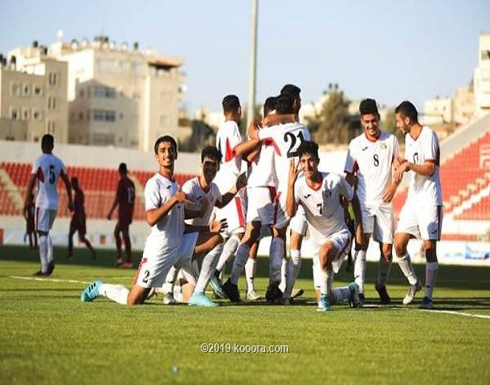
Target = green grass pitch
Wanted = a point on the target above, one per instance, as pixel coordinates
(48, 336)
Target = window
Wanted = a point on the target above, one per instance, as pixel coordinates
(165, 97)
(485, 55)
(52, 103)
(104, 116)
(37, 115)
(81, 93)
(102, 139)
(80, 116)
(51, 127)
(53, 79)
(163, 121)
(38, 91)
(26, 114)
(106, 66)
(14, 113)
(26, 90)
(15, 89)
(104, 92)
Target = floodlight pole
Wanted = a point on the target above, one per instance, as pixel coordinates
(253, 65)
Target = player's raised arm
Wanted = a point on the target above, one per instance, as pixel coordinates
(225, 199)
(291, 205)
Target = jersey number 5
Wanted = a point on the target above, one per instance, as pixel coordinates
(293, 148)
(52, 176)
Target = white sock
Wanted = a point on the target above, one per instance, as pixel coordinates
(284, 273)
(116, 293)
(340, 294)
(406, 267)
(250, 270)
(384, 268)
(316, 273)
(276, 257)
(208, 267)
(240, 260)
(430, 278)
(293, 267)
(326, 282)
(43, 252)
(360, 269)
(50, 249)
(229, 249)
(168, 286)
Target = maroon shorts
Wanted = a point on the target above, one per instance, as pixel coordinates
(123, 222)
(78, 224)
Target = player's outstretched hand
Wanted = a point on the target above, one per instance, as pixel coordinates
(294, 171)
(216, 226)
(241, 181)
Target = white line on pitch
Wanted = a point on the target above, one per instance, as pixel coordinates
(454, 312)
(48, 279)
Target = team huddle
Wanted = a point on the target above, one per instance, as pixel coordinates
(269, 185)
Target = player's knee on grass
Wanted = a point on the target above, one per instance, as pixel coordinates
(137, 295)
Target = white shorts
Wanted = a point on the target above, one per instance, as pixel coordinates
(184, 260)
(421, 222)
(298, 223)
(341, 240)
(260, 205)
(281, 217)
(153, 269)
(44, 219)
(379, 221)
(234, 213)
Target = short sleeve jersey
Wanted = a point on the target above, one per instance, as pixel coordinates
(227, 138)
(424, 148)
(262, 171)
(372, 162)
(48, 169)
(323, 207)
(194, 191)
(167, 233)
(125, 198)
(285, 140)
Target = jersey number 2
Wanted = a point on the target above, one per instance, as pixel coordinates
(293, 148)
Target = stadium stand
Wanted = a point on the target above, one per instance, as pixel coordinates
(98, 184)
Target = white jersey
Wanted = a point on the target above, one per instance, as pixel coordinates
(372, 162)
(48, 169)
(262, 171)
(285, 140)
(424, 148)
(227, 138)
(168, 231)
(192, 188)
(323, 208)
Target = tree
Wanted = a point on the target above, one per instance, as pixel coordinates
(202, 136)
(389, 124)
(332, 125)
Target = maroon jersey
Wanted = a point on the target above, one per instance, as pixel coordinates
(79, 203)
(125, 200)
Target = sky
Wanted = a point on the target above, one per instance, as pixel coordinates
(388, 50)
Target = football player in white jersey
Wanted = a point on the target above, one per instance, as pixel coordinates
(205, 195)
(46, 171)
(321, 196)
(164, 204)
(421, 215)
(229, 142)
(369, 167)
(285, 140)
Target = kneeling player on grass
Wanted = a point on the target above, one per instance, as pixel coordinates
(320, 195)
(202, 189)
(165, 214)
